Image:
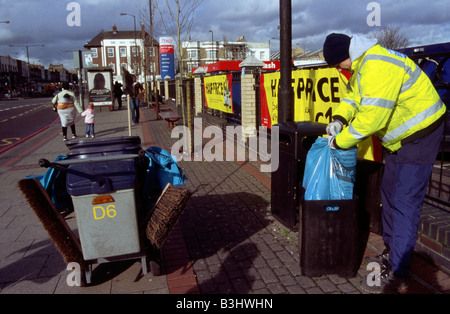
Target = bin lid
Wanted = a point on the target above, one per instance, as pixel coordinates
(303, 127)
(103, 142)
(104, 146)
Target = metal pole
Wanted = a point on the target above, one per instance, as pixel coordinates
(135, 45)
(285, 96)
(190, 141)
(129, 114)
(82, 75)
(212, 46)
(155, 89)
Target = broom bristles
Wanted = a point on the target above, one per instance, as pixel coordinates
(55, 225)
(165, 214)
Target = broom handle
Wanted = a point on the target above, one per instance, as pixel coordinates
(62, 164)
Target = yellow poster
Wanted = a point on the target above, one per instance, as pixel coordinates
(218, 92)
(316, 94)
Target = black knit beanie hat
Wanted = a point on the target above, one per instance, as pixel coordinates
(336, 48)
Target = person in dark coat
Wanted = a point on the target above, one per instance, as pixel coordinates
(118, 92)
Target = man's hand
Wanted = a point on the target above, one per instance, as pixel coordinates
(332, 142)
(334, 128)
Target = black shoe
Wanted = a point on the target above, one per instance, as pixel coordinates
(382, 259)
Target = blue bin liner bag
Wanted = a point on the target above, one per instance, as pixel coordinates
(329, 173)
(162, 169)
(54, 183)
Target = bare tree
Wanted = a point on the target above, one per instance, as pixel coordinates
(390, 37)
(177, 17)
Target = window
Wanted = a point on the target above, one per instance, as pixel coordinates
(113, 67)
(211, 54)
(110, 52)
(193, 54)
(152, 67)
(262, 55)
(123, 52)
(94, 52)
(192, 65)
(151, 52)
(134, 50)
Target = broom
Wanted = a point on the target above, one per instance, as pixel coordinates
(60, 233)
(165, 214)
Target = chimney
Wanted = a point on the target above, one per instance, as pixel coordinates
(114, 29)
(143, 31)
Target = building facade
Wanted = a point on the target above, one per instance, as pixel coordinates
(18, 79)
(134, 51)
(198, 53)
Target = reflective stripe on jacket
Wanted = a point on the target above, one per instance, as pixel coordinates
(388, 95)
(66, 102)
(65, 105)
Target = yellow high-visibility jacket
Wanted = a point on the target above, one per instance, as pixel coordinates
(388, 95)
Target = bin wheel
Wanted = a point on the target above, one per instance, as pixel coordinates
(144, 265)
(88, 274)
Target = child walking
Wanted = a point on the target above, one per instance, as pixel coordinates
(89, 115)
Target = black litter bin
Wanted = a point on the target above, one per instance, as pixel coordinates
(295, 140)
(328, 237)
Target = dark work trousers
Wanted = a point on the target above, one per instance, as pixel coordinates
(405, 180)
(134, 104)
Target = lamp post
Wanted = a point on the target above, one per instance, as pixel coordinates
(6, 22)
(27, 46)
(153, 60)
(212, 45)
(28, 55)
(285, 97)
(135, 40)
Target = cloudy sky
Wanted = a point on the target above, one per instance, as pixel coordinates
(44, 22)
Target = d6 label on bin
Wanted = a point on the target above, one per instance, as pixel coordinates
(100, 212)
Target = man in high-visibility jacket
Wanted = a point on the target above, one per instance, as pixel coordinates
(390, 97)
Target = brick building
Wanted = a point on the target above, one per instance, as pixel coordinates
(126, 49)
(18, 79)
(198, 53)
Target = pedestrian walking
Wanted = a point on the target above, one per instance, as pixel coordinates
(89, 120)
(390, 97)
(118, 92)
(67, 106)
(136, 97)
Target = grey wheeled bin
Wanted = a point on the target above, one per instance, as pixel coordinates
(102, 179)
